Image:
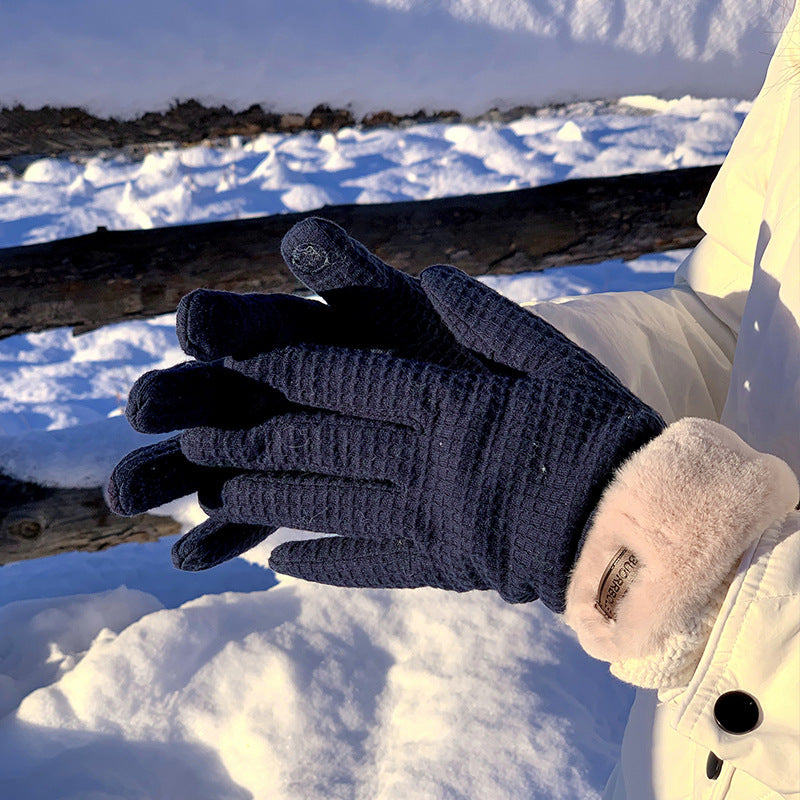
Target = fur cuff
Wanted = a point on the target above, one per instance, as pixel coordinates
(663, 543)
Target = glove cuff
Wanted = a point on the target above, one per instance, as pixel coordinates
(663, 544)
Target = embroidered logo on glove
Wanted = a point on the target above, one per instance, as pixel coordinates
(616, 581)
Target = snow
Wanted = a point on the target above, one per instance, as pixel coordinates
(312, 692)
(123, 678)
(271, 174)
(57, 634)
(121, 58)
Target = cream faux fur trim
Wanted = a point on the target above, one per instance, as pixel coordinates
(688, 505)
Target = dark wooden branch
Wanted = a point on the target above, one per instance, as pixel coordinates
(38, 521)
(106, 277)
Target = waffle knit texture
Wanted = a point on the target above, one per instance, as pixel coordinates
(522, 429)
(432, 476)
(368, 304)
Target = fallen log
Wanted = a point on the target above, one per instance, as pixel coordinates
(39, 521)
(105, 277)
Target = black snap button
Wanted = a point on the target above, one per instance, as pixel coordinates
(736, 712)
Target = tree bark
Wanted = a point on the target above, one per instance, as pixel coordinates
(105, 277)
(38, 521)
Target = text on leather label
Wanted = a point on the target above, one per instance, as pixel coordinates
(616, 581)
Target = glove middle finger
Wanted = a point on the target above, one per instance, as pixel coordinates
(194, 393)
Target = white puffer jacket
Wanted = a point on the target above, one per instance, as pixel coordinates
(689, 579)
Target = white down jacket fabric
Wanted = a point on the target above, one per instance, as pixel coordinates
(724, 345)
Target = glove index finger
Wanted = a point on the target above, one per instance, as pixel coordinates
(211, 324)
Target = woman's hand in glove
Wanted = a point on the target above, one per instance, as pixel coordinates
(431, 475)
(369, 304)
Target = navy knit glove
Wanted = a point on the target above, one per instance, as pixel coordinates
(369, 304)
(433, 476)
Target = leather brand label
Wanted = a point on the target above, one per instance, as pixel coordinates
(620, 573)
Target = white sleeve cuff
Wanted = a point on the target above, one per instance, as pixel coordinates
(663, 544)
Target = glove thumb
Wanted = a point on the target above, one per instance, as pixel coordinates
(494, 326)
(325, 258)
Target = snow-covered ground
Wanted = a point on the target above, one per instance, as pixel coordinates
(276, 173)
(122, 58)
(123, 678)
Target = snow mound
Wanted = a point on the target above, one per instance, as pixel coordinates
(279, 173)
(123, 59)
(313, 692)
